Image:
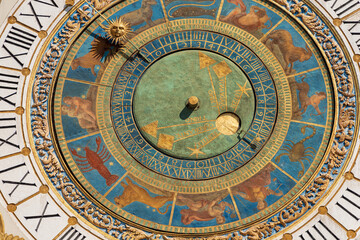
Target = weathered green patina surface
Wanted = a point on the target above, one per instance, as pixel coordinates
(160, 103)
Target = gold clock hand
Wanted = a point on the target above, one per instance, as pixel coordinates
(117, 30)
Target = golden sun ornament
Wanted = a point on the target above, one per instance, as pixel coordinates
(117, 30)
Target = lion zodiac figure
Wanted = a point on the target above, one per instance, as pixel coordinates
(291, 53)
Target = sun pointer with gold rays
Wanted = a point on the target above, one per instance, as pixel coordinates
(117, 30)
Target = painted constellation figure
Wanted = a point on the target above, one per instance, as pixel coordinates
(306, 100)
(95, 160)
(81, 109)
(203, 209)
(297, 152)
(291, 53)
(256, 189)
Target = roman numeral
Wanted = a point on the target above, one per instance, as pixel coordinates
(35, 14)
(21, 182)
(17, 44)
(4, 121)
(8, 141)
(72, 234)
(8, 88)
(345, 7)
(7, 133)
(42, 216)
(354, 24)
(354, 29)
(9, 81)
(16, 184)
(318, 230)
(350, 202)
(12, 168)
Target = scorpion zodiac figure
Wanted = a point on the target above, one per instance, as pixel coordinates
(95, 160)
(297, 152)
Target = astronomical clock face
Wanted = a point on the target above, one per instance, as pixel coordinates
(171, 119)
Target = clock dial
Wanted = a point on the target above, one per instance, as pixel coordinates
(180, 119)
(186, 131)
(188, 121)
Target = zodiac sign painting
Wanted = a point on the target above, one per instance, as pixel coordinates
(78, 111)
(81, 109)
(203, 208)
(299, 151)
(306, 100)
(135, 193)
(141, 15)
(257, 190)
(87, 63)
(94, 160)
(250, 18)
(93, 56)
(291, 53)
(141, 199)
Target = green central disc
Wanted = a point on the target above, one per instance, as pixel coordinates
(225, 112)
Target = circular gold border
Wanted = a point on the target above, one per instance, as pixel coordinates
(39, 163)
(101, 128)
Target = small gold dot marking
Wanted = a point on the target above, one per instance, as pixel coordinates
(19, 110)
(11, 207)
(44, 189)
(287, 236)
(72, 221)
(323, 210)
(42, 34)
(25, 71)
(337, 22)
(351, 234)
(356, 58)
(25, 151)
(349, 176)
(12, 20)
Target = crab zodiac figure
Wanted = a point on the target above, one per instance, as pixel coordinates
(297, 152)
(95, 160)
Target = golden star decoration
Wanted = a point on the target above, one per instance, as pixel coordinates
(196, 151)
(243, 89)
